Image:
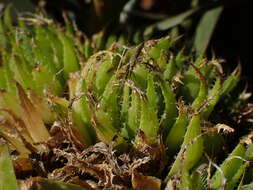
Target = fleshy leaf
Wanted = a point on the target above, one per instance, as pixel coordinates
(7, 176)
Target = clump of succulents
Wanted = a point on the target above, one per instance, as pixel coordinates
(120, 118)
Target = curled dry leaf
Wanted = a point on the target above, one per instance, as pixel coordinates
(224, 128)
(23, 167)
(95, 167)
(141, 182)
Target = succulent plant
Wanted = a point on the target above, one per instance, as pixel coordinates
(115, 118)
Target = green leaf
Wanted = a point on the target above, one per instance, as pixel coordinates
(7, 176)
(3, 40)
(134, 113)
(202, 95)
(52, 33)
(190, 89)
(149, 122)
(7, 17)
(231, 81)
(213, 97)
(21, 6)
(105, 73)
(45, 80)
(170, 110)
(2, 80)
(21, 73)
(247, 187)
(43, 52)
(237, 176)
(70, 60)
(206, 28)
(191, 149)
(229, 167)
(169, 22)
(80, 109)
(162, 44)
(176, 135)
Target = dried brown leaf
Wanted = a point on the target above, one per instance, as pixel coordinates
(41, 106)
(31, 118)
(88, 184)
(38, 183)
(23, 166)
(141, 182)
(16, 124)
